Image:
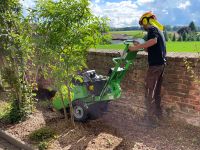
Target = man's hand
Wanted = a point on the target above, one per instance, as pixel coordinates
(145, 45)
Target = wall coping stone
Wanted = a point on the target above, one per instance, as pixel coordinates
(113, 52)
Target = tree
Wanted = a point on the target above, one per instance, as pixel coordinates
(198, 38)
(65, 30)
(168, 27)
(15, 51)
(183, 30)
(180, 38)
(166, 35)
(184, 36)
(192, 27)
(174, 37)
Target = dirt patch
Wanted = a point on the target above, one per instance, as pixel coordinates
(118, 129)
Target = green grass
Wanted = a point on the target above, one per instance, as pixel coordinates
(171, 46)
(133, 33)
(183, 46)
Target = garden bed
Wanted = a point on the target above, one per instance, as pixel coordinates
(118, 129)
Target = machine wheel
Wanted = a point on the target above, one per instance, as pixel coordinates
(80, 111)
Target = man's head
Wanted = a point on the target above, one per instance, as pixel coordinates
(149, 19)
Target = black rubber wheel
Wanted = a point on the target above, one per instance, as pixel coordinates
(80, 111)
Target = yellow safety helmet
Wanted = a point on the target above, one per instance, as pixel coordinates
(150, 18)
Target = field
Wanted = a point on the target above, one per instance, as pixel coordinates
(136, 34)
(171, 46)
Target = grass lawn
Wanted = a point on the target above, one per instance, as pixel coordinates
(171, 46)
(183, 46)
(134, 33)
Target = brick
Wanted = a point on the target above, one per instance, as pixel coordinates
(195, 102)
(177, 93)
(186, 107)
(197, 108)
(176, 98)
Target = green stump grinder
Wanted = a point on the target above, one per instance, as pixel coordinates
(91, 97)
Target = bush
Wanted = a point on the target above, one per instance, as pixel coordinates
(43, 145)
(42, 134)
(15, 115)
(174, 37)
(4, 111)
(180, 39)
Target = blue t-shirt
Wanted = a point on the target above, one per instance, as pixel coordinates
(157, 52)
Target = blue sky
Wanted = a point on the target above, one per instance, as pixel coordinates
(123, 13)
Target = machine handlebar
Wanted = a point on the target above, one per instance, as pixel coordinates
(126, 42)
(126, 51)
(117, 58)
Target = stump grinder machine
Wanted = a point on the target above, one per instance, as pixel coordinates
(91, 96)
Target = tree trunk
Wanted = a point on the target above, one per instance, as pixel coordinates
(64, 108)
(71, 106)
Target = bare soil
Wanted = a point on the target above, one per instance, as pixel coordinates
(118, 129)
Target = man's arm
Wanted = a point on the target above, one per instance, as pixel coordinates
(145, 45)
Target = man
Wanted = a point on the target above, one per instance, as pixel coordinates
(156, 49)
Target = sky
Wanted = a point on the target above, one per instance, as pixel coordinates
(126, 13)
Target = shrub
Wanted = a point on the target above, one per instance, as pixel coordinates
(43, 145)
(4, 111)
(42, 134)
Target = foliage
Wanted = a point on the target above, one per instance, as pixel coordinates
(180, 38)
(192, 27)
(184, 36)
(174, 37)
(183, 30)
(15, 114)
(65, 30)
(4, 110)
(42, 134)
(43, 145)
(198, 38)
(166, 35)
(168, 27)
(15, 52)
(188, 33)
(170, 35)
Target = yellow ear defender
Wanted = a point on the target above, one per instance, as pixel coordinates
(144, 21)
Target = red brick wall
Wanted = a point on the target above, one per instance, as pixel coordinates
(181, 94)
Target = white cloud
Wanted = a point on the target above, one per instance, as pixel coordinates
(164, 11)
(184, 5)
(121, 14)
(27, 3)
(142, 2)
(97, 1)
